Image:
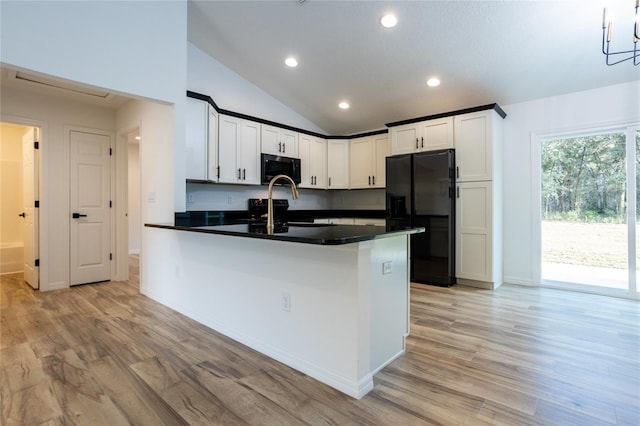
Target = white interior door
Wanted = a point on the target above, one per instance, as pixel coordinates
(90, 216)
(29, 212)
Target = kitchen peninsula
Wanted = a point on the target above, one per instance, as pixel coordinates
(331, 301)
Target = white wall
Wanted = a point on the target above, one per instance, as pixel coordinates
(11, 183)
(610, 105)
(232, 92)
(53, 114)
(133, 196)
(131, 47)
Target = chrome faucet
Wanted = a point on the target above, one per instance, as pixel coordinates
(294, 192)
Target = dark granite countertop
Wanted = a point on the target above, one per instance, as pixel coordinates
(230, 217)
(306, 233)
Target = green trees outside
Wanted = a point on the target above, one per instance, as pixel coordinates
(584, 178)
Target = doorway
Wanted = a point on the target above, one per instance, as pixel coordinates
(588, 211)
(19, 224)
(90, 204)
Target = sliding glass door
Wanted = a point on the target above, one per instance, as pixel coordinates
(589, 217)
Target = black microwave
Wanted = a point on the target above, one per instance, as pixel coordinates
(273, 165)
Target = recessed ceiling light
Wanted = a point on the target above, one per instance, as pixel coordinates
(291, 62)
(388, 20)
(137, 138)
(343, 105)
(433, 82)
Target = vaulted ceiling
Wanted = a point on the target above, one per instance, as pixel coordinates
(482, 51)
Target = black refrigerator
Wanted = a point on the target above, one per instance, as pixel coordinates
(421, 193)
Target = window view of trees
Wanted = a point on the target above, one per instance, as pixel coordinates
(584, 179)
(584, 204)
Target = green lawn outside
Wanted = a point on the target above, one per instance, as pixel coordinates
(589, 244)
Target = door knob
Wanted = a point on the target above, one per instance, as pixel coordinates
(22, 214)
(78, 215)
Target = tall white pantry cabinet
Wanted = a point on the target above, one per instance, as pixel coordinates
(478, 144)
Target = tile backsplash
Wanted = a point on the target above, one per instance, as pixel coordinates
(234, 197)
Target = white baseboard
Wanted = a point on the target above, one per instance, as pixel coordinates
(519, 281)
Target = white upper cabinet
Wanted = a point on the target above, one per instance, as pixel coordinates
(201, 141)
(239, 150)
(278, 141)
(429, 135)
(381, 146)
(367, 161)
(476, 137)
(313, 161)
(337, 164)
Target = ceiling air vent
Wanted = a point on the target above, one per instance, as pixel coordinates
(70, 87)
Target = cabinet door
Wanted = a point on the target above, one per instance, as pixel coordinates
(228, 139)
(279, 141)
(474, 231)
(361, 163)
(436, 134)
(196, 141)
(473, 143)
(289, 140)
(338, 164)
(318, 154)
(404, 139)
(212, 145)
(304, 150)
(381, 148)
(249, 152)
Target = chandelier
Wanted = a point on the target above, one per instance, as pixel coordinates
(615, 57)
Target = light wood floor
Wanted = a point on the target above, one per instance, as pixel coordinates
(104, 355)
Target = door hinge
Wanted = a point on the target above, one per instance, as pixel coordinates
(36, 204)
(110, 151)
(37, 262)
(110, 204)
(110, 256)
(36, 145)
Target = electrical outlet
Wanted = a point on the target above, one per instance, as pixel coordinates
(190, 198)
(286, 302)
(229, 199)
(387, 268)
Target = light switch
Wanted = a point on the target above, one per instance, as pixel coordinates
(386, 268)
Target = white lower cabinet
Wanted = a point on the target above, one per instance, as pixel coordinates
(338, 164)
(239, 150)
(478, 240)
(313, 162)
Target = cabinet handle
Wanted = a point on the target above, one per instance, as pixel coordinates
(422, 138)
(279, 146)
(239, 174)
(218, 172)
(284, 147)
(244, 174)
(374, 180)
(369, 180)
(329, 181)
(457, 192)
(457, 172)
(417, 143)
